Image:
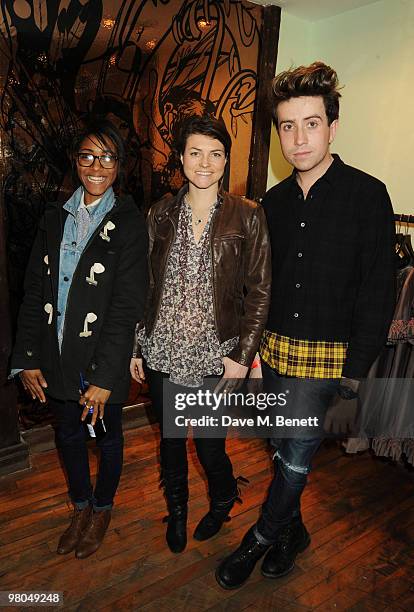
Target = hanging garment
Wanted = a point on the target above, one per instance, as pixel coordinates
(387, 395)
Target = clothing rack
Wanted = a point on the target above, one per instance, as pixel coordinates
(404, 218)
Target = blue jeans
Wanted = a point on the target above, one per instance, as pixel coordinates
(71, 440)
(293, 456)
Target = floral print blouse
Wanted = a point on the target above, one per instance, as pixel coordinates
(184, 342)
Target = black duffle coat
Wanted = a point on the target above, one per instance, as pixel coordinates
(114, 304)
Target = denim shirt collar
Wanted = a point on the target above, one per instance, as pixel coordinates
(104, 205)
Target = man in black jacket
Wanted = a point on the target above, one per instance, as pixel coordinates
(332, 236)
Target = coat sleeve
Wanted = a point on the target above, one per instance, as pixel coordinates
(26, 353)
(126, 307)
(375, 301)
(136, 349)
(257, 282)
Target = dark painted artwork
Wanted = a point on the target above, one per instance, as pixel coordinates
(143, 64)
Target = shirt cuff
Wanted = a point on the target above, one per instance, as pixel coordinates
(14, 372)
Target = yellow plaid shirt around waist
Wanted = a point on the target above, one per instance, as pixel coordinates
(303, 358)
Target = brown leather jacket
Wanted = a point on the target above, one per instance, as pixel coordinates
(240, 252)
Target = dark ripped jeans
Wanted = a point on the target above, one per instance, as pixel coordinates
(293, 456)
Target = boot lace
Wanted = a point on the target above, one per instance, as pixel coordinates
(283, 541)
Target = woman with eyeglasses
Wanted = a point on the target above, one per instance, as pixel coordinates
(205, 313)
(85, 287)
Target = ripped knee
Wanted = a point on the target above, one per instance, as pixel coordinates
(291, 470)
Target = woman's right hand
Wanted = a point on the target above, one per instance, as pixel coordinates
(137, 369)
(34, 383)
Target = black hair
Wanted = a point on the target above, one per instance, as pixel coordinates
(205, 125)
(105, 133)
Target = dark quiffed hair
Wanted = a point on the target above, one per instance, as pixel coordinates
(103, 131)
(205, 125)
(318, 79)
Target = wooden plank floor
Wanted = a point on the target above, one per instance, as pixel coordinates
(359, 511)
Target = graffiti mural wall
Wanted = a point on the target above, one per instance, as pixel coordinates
(143, 64)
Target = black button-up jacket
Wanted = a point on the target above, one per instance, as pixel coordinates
(333, 260)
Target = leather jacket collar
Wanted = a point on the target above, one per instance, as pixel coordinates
(171, 209)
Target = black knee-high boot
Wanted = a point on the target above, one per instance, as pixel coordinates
(222, 500)
(176, 494)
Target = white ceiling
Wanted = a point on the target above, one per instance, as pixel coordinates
(312, 10)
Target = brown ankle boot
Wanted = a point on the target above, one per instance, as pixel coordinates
(70, 538)
(92, 537)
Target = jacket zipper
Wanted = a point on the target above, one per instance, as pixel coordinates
(213, 221)
(165, 271)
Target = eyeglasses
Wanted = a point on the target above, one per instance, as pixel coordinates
(106, 160)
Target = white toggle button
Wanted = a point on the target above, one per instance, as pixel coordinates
(97, 268)
(296, 315)
(46, 260)
(49, 310)
(90, 318)
(303, 224)
(108, 227)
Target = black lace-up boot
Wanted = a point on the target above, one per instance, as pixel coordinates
(236, 569)
(291, 540)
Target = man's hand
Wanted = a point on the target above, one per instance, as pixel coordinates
(96, 398)
(137, 370)
(34, 383)
(232, 371)
(341, 417)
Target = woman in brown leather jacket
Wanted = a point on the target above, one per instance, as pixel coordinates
(209, 263)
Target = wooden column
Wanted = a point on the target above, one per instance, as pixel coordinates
(259, 150)
(14, 452)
